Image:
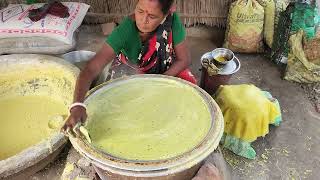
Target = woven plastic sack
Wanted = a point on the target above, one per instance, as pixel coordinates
(269, 18)
(34, 45)
(311, 47)
(305, 16)
(299, 68)
(14, 22)
(245, 27)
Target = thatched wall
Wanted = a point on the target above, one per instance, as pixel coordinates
(208, 12)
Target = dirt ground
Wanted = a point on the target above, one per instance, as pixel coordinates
(290, 151)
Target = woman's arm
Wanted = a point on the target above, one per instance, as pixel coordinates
(183, 59)
(92, 69)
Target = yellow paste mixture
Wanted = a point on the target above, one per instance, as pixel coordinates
(148, 119)
(25, 121)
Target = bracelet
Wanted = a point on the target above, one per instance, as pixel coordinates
(77, 104)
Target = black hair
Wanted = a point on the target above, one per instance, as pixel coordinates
(166, 5)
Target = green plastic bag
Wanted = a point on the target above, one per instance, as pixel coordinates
(305, 17)
(281, 5)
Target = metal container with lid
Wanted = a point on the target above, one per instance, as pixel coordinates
(212, 83)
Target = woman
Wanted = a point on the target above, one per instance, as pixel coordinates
(152, 41)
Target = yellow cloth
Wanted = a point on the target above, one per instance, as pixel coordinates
(247, 112)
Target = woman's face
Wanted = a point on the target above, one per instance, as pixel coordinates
(148, 15)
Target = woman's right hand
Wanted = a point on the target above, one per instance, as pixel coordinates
(77, 115)
(92, 69)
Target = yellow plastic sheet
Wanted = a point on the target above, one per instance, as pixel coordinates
(247, 112)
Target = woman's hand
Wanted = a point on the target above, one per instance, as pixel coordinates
(77, 115)
(87, 75)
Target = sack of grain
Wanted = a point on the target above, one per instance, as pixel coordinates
(245, 27)
(15, 22)
(269, 17)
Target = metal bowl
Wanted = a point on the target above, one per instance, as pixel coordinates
(80, 59)
(222, 52)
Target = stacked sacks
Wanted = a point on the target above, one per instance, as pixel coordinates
(50, 35)
(298, 16)
(303, 52)
(272, 10)
(247, 112)
(250, 21)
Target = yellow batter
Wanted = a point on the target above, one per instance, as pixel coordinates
(24, 121)
(220, 59)
(148, 120)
